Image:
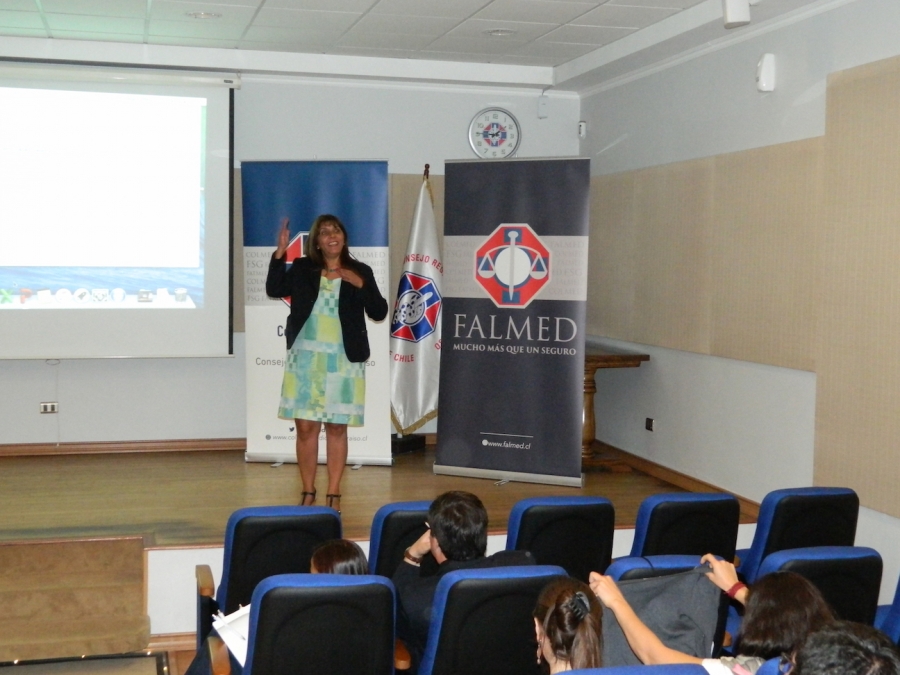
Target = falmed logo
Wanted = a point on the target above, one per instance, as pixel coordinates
(417, 310)
(512, 265)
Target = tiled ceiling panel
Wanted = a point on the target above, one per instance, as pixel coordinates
(545, 33)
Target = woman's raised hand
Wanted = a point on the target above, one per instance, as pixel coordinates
(284, 238)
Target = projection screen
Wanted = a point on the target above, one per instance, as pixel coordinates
(115, 225)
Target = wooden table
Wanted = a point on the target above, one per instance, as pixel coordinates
(596, 358)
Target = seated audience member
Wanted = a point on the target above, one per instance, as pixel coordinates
(336, 556)
(568, 623)
(339, 556)
(456, 539)
(781, 610)
(847, 648)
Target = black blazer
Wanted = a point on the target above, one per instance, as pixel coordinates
(301, 283)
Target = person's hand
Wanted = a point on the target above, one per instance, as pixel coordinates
(723, 573)
(284, 238)
(422, 545)
(351, 277)
(606, 589)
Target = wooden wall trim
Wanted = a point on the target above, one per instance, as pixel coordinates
(748, 507)
(173, 642)
(110, 447)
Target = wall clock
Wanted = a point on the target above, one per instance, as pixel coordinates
(494, 133)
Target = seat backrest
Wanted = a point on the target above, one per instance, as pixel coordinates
(650, 567)
(849, 577)
(801, 518)
(481, 621)
(395, 527)
(575, 533)
(687, 522)
(322, 623)
(647, 567)
(267, 540)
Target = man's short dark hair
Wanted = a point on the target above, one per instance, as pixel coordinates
(847, 648)
(459, 523)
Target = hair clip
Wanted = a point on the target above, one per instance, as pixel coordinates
(579, 605)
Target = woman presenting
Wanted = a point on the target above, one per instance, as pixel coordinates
(325, 369)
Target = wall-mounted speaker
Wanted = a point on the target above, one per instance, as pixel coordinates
(736, 12)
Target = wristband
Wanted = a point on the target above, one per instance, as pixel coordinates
(411, 558)
(734, 590)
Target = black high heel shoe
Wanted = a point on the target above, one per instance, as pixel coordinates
(304, 495)
(330, 499)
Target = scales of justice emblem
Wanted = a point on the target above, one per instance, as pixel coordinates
(417, 309)
(512, 265)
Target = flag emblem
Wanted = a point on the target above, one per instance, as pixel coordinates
(512, 265)
(417, 309)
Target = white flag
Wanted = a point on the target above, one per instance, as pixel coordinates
(415, 325)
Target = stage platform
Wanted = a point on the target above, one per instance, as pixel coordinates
(183, 499)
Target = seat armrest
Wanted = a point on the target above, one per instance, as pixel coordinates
(206, 603)
(218, 656)
(206, 586)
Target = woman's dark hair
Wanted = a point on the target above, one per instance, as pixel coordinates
(572, 619)
(312, 242)
(459, 522)
(782, 609)
(339, 556)
(847, 648)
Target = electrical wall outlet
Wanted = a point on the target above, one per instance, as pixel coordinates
(650, 424)
(50, 407)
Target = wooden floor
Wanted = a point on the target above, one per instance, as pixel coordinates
(185, 498)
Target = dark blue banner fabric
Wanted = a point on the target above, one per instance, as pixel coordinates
(355, 192)
(512, 355)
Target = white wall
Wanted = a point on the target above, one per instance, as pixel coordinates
(407, 124)
(745, 427)
(709, 105)
(279, 118)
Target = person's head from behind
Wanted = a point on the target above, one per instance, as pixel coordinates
(847, 648)
(567, 624)
(458, 522)
(782, 609)
(339, 556)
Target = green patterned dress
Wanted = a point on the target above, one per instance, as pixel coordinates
(320, 383)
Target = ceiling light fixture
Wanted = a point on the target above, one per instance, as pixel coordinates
(203, 15)
(500, 32)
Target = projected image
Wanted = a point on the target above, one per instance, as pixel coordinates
(102, 200)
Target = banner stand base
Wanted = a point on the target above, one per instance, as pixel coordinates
(495, 474)
(400, 445)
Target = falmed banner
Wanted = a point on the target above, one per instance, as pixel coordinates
(515, 291)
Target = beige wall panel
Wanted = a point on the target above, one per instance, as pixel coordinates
(858, 359)
(673, 210)
(611, 260)
(404, 189)
(764, 253)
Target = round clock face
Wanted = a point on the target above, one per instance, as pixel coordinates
(494, 134)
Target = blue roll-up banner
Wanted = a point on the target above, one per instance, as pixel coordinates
(357, 193)
(515, 292)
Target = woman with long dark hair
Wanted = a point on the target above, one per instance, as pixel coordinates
(567, 624)
(325, 369)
